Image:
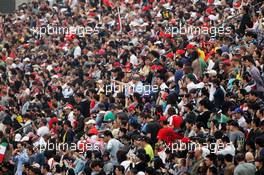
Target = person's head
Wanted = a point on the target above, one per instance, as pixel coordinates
(188, 123)
(45, 169)
(198, 126)
(66, 125)
(259, 142)
(234, 126)
(225, 140)
(238, 113)
(159, 79)
(32, 171)
(228, 158)
(20, 147)
(43, 122)
(107, 136)
(248, 60)
(144, 141)
(249, 157)
(210, 159)
(96, 165)
(240, 157)
(212, 171)
(259, 162)
(198, 153)
(119, 170)
(260, 113)
(253, 96)
(255, 123)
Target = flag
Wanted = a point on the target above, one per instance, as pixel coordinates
(119, 21)
(3, 147)
(108, 3)
(202, 62)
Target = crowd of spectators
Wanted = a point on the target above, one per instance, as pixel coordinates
(132, 96)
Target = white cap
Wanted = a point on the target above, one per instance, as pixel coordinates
(91, 121)
(18, 137)
(212, 72)
(24, 139)
(26, 59)
(36, 165)
(100, 81)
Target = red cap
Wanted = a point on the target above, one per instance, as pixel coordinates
(163, 118)
(69, 106)
(93, 131)
(165, 95)
(185, 140)
(177, 121)
(237, 4)
(209, 10)
(156, 67)
(146, 8)
(2, 108)
(180, 52)
(131, 107)
(170, 55)
(101, 52)
(190, 46)
(161, 34)
(117, 64)
(168, 35)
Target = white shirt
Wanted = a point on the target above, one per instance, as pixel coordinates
(242, 122)
(163, 86)
(67, 91)
(43, 131)
(133, 60)
(192, 86)
(77, 52)
(229, 149)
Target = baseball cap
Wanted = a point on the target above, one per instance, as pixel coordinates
(238, 110)
(91, 121)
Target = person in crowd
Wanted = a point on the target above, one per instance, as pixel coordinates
(128, 87)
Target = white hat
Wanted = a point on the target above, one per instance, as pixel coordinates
(26, 59)
(91, 121)
(100, 81)
(24, 139)
(212, 72)
(18, 137)
(54, 77)
(36, 165)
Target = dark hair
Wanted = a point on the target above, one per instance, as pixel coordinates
(108, 134)
(259, 141)
(120, 168)
(211, 157)
(260, 159)
(228, 158)
(225, 139)
(240, 157)
(46, 167)
(121, 155)
(213, 170)
(96, 163)
(199, 125)
(248, 58)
